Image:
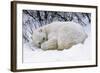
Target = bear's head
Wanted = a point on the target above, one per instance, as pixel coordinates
(38, 37)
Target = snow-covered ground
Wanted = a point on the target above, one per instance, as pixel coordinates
(79, 52)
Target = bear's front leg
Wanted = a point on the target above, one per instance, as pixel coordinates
(51, 44)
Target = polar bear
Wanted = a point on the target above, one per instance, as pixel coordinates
(59, 35)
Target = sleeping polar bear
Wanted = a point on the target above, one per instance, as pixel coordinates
(59, 35)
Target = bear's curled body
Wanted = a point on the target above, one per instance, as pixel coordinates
(62, 35)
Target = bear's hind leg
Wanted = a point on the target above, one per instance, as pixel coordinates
(60, 45)
(64, 46)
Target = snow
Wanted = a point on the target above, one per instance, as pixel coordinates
(33, 19)
(79, 52)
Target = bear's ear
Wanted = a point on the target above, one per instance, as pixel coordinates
(40, 30)
(32, 32)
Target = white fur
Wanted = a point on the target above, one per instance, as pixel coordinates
(61, 35)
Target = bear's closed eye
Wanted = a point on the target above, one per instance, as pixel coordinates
(39, 43)
(43, 38)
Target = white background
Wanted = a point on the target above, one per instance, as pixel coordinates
(74, 56)
(5, 37)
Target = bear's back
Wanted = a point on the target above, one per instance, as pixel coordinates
(56, 26)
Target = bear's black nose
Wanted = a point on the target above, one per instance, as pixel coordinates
(39, 44)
